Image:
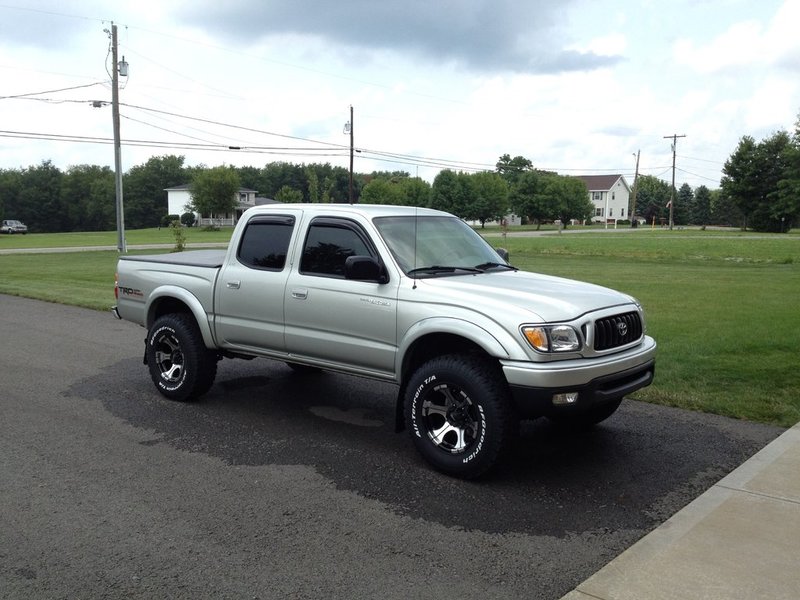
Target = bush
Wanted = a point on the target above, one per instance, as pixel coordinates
(188, 219)
(167, 220)
(180, 237)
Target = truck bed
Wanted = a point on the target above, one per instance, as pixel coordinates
(193, 258)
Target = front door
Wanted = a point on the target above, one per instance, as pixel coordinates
(347, 323)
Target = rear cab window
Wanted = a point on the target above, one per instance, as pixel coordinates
(265, 242)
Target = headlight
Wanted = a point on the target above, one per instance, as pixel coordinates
(552, 338)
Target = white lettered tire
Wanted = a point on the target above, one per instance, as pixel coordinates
(459, 414)
(180, 365)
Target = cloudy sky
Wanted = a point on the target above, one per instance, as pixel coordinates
(576, 86)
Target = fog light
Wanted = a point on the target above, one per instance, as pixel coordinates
(562, 399)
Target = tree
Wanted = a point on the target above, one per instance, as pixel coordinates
(573, 200)
(753, 176)
(684, 203)
(447, 192)
(144, 189)
(489, 200)
(215, 191)
(313, 184)
(652, 197)
(701, 214)
(787, 198)
(532, 198)
(40, 203)
(289, 195)
(90, 194)
(382, 191)
(724, 210)
(416, 191)
(10, 185)
(511, 169)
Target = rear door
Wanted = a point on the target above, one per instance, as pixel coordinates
(252, 284)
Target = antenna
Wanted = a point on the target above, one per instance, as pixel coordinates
(416, 221)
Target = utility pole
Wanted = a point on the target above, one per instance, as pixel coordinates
(121, 247)
(674, 137)
(351, 154)
(632, 214)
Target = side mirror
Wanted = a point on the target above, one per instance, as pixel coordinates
(503, 253)
(364, 268)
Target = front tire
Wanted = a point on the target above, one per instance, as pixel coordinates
(458, 412)
(180, 365)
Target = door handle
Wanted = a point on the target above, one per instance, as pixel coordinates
(233, 285)
(300, 294)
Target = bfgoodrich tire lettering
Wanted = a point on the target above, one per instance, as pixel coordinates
(181, 367)
(458, 413)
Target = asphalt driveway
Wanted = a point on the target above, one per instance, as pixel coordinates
(278, 484)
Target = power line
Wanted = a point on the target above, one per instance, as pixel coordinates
(696, 175)
(29, 94)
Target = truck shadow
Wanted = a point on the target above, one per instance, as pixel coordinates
(629, 473)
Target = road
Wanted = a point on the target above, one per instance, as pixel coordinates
(280, 485)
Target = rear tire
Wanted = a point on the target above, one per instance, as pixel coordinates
(459, 414)
(181, 366)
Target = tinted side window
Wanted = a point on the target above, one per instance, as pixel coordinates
(265, 243)
(327, 247)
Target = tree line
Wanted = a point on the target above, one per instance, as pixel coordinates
(760, 189)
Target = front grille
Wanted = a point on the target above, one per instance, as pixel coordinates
(616, 331)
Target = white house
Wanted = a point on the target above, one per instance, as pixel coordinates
(610, 195)
(179, 197)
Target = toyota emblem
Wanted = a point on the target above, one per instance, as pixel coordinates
(622, 328)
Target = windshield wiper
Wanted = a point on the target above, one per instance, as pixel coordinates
(439, 269)
(492, 265)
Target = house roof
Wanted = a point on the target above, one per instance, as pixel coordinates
(186, 186)
(601, 183)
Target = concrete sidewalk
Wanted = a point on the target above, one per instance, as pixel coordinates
(739, 540)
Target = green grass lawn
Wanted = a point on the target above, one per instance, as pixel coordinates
(723, 308)
(133, 237)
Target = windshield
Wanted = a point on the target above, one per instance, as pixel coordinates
(436, 245)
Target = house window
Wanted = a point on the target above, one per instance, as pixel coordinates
(598, 195)
(611, 212)
(598, 212)
(613, 195)
(622, 214)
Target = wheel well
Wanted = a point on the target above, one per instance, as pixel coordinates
(166, 306)
(437, 344)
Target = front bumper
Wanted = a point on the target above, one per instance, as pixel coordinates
(596, 381)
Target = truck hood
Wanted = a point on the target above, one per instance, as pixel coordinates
(534, 297)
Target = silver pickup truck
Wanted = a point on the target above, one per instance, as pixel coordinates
(405, 295)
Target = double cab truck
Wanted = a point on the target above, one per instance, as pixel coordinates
(405, 295)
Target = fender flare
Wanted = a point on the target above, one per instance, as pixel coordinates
(194, 305)
(457, 327)
(476, 334)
